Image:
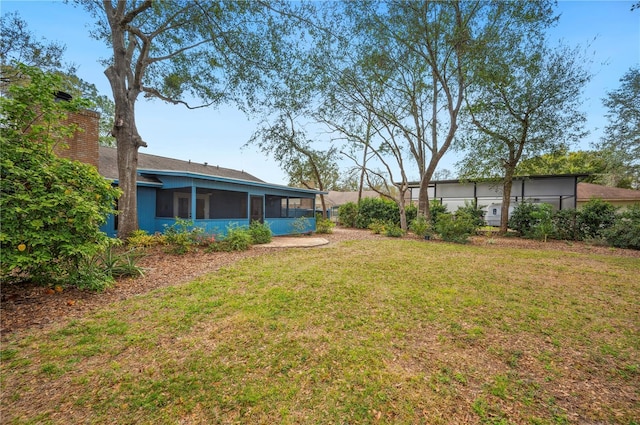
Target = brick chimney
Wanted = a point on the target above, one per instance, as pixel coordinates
(84, 144)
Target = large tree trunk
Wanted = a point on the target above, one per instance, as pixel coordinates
(506, 199)
(128, 142)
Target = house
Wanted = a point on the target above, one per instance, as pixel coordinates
(212, 197)
(618, 197)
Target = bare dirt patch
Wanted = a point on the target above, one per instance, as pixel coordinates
(26, 305)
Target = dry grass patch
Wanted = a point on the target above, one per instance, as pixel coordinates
(384, 331)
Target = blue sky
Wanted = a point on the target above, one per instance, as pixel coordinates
(607, 29)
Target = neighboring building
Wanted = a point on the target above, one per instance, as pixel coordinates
(213, 197)
(334, 199)
(615, 195)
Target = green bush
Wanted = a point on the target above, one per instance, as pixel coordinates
(140, 238)
(522, 219)
(260, 232)
(543, 227)
(452, 228)
(392, 230)
(377, 226)
(182, 236)
(420, 226)
(236, 239)
(347, 214)
(98, 271)
(595, 217)
(52, 208)
(565, 223)
(436, 208)
(625, 232)
(324, 226)
(370, 209)
(473, 211)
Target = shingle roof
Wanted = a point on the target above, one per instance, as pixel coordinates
(587, 191)
(108, 167)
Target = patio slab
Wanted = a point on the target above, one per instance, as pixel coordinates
(293, 242)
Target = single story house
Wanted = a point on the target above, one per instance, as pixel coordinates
(213, 197)
(618, 197)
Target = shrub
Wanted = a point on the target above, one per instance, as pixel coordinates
(182, 236)
(377, 226)
(436, 208)
(140, 238)
(452, 228)
(565, 223)
(300, 225)
(420, 226)
(347, 214)
(260, 232)
(324, 226)
(52, 208)
(473, 211)
(595, 217)
(392, 230)
(98, 271)
(236, 239)
(543, 226)
(625, 232)
(370, 209)
(522, 219)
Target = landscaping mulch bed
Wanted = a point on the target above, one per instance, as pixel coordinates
(26, 305)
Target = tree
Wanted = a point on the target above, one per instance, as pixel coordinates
(181, 53)
(602, 167)
(19, 45)
(622, 134)
(305, 166)
(526, 103)
(52, 208)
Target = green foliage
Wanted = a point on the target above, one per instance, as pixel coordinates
(522, 220)
(455, 228)
(475, 212)
(543, 225)
(52, 208)
(392, 230)
(300, 225)
(596, 216)
(324, 225)
(260, 232)
(237, 239)
(182, 236)
(625, 232)
(97, 272)
(421, 227)
(436, 208)
(347, 214)
(376, 226)
(565, 223)
(370, 209)
(140, 238)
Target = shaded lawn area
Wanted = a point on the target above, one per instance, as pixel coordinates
(384, 331)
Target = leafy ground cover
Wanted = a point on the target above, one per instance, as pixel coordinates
(376, 331)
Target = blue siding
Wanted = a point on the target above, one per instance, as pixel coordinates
(147, 209)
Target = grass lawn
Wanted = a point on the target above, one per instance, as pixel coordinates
(384, 331)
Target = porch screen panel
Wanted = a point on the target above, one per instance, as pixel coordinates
(164, 203)
(275, 206)
(300, 207)
(227, 204)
